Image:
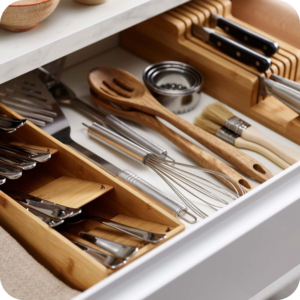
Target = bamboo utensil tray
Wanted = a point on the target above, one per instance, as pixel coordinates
(117, 202)
(168, 37)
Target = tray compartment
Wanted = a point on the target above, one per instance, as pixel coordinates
(47, 245)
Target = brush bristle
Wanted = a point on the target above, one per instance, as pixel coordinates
(207, 125)
(217, 113)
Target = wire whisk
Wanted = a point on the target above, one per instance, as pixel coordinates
(188, 186)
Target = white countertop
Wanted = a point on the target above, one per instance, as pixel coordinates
(71, 27)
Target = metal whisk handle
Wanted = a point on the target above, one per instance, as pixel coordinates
(177, 208)
(135, 136)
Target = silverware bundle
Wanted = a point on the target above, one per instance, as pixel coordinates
(55, 214)
(15, 159)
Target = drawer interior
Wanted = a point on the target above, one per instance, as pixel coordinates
(71, 180)
(121, 203)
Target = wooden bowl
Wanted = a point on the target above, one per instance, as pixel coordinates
(26, 14)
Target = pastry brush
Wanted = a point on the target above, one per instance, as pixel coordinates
(221, 115)
(236, 140)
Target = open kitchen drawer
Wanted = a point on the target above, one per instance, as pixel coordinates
(72, 178)
(233, 254)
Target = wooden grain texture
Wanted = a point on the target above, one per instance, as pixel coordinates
(48, 246)
(122, 88)
(202, 157)
(71, 192)
(168, 37)
(244, 144)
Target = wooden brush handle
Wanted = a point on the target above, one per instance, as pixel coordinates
(244, 144)
(202, 157)
(254, 135)
(237, 158)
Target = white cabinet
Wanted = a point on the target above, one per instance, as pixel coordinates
(232, 255)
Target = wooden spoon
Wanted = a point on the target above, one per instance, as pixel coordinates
(202, 157)
(122, 88)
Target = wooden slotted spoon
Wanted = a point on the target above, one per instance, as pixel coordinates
(202, 157)
(125, 90)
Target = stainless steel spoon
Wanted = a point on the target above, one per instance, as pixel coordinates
(147, 236)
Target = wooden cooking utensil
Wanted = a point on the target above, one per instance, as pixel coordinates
(202, 157)
(122, 88)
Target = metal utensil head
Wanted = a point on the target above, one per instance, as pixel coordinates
(9, 125)
(28, 96)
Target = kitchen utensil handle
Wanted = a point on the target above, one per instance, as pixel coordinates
(9, 172)
(119, 126)
(2, 180)
(239, 159)
(202, 157)
(131, 134)
(254, 135)
(240, 52)
(104, 258)
(244, 144)
(287, 95)
(117, 249)
(146, 236)
(118, 143)
(292, 84)
(177, 208)
(246, 36)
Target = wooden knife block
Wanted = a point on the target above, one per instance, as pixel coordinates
(80, 182)
(168, 37)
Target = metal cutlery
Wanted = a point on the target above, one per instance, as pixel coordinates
(73, 216)
(9, 125)
(2, 180)
(19, 163)
(105, 259)
(52, 223)
(9, 172)
(32, 154)
(61, 130)
(55, 214)
(232, 48)
(117, 249)
(146, 236)
(52, 210)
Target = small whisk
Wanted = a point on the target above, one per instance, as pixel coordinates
(189, 187)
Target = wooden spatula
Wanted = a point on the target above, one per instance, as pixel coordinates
(122, 88)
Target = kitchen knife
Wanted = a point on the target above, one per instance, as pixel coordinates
(232, 48)
(244, 35)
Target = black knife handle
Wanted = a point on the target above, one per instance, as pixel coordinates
(248, 36)
(240, 52)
